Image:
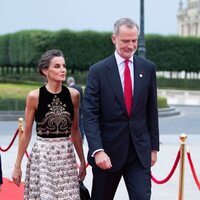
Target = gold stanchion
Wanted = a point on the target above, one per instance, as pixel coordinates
(20, 125)
(183, 138)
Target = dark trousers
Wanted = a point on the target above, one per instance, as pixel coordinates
(137, 180)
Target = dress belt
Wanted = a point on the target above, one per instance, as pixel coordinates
(53, 135)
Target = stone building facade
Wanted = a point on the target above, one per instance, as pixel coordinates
(189, 18)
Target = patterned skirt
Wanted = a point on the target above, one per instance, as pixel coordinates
(51, 172)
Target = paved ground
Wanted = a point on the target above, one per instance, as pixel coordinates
(170, 129)
(181, 97)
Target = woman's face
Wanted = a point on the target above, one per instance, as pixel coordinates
(56, 70)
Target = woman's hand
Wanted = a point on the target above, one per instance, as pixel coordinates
(16, 176)
(82, 171)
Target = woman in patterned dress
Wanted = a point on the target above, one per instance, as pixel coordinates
(51, 172)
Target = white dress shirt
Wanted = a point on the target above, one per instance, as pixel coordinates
(121, 66)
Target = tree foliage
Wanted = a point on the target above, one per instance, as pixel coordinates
(21, 50)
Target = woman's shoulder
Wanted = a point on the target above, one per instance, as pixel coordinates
(33, 94)
(73, 92)
(75, 95)
(32, 99)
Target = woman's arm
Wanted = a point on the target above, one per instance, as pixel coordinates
(75, 133)
(31, 104)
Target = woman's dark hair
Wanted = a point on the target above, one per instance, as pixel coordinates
(46, 58)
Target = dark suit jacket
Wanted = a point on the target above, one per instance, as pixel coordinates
(1, 178)
(107, 125)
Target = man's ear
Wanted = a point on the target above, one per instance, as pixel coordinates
(113, 38)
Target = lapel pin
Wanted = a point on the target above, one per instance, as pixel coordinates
(141, 74)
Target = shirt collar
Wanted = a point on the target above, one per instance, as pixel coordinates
(120, 60)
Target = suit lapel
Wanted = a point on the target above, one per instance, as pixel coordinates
(138, 78)
(113, 77)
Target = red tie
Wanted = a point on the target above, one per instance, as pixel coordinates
(127, 88)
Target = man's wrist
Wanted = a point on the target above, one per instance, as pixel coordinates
(96, 151)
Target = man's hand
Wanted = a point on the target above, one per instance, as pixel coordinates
(153, 157)
(102, 160)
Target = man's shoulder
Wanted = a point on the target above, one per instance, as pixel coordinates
(104, 62)
(143, 60)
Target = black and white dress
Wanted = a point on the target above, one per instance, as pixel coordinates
(51, 172)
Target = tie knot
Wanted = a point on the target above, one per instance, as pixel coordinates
(126, 62)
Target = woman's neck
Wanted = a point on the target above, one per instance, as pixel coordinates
(54, 88)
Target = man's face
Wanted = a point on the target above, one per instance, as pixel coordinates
(126, 42)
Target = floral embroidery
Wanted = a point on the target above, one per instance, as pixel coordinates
(57, 120)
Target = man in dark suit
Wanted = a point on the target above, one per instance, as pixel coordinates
(1, 178)
(123, 137)
(72, 83)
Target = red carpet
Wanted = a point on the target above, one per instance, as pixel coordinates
(10, 191)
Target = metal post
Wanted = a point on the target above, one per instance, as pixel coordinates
(141, 44)
(183, 138)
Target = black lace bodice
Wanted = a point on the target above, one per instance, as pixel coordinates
(55, 113)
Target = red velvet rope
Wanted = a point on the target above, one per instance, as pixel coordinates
(152, 177)
(193, 170)
(171, 172)
(11, 143)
